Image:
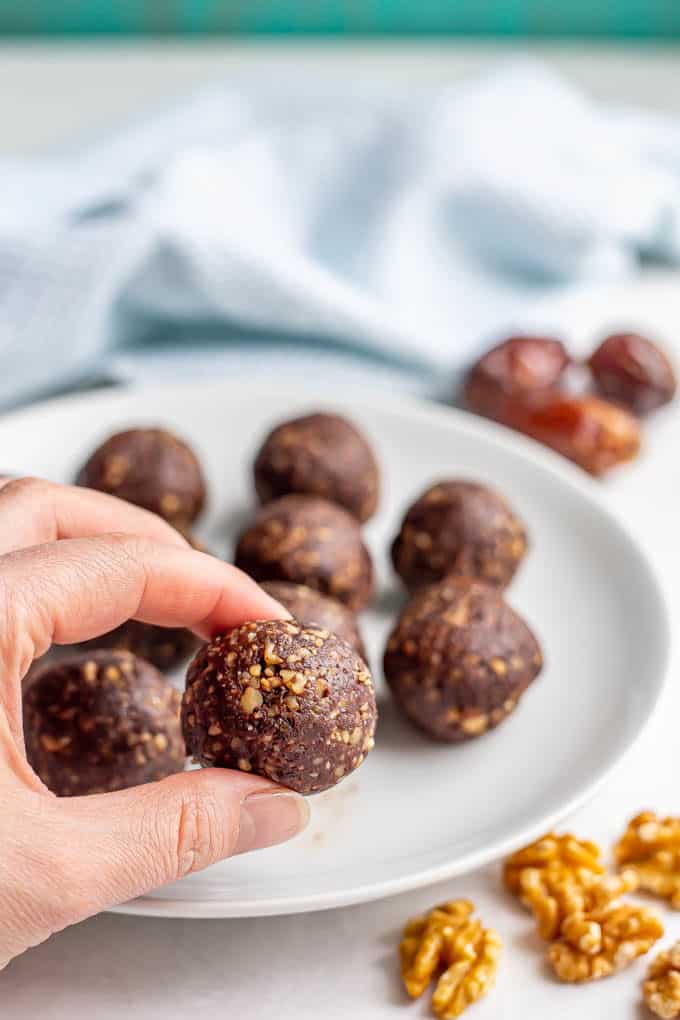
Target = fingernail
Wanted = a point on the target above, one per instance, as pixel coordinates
(270, 818)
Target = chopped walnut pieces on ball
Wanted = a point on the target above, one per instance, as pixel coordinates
(597, 944)
(459, 528)
(310, 541)
(311, 608)
(459, 659)
(101, 721)
(319, 455)
(292, 703)
(450, 944)
(152, 468)
(661, 989)
(651, 847)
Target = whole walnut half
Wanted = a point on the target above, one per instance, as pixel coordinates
(632, 370)
(450, 946)
(521, 369)
(650, 846)
(661, 990)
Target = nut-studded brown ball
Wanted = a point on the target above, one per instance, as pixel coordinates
(101, 721)
(311, 608)
(309, 541)
(459, 659)
(461, 528)
(321, 455)
(293, 703)
(163, 647)
(152, 468)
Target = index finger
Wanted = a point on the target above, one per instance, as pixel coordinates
(34, 511)
(69, 591)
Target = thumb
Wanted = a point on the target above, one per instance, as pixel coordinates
(130, 842)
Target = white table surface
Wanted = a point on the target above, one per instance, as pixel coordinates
(341, 964)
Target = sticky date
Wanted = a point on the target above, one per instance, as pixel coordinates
(594, 433)
(522, 368)
(635, 372)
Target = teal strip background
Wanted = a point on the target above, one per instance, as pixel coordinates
(631, 19)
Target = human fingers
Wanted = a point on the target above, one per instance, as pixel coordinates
(34, 511)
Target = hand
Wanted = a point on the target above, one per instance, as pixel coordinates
(74, 564)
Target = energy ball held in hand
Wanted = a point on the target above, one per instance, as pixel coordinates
(292, 703)
(309, 541)
(321, 455)
(311, 608)
(101, 721)
(459, 659)
(151, 468)
(461, 528)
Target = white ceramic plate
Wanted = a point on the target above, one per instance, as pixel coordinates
(415, 812)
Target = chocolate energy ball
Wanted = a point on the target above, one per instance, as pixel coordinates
(101, 721)
(459, 659)
(309, 541)
(153, 469)
(321, 455)
(311, 608)
(293, 703)
(164, 647)
(461, 528)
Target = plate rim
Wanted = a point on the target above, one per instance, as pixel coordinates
(516, 445)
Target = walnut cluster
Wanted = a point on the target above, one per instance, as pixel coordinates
(650, 846)
(554, 877)
(578, 907)
(661, 989)
(603, 941)
(450, 944)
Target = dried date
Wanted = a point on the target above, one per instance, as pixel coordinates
(521, 369)
(594, 433)
(632, 370)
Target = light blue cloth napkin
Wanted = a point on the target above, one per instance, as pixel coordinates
(284, 230)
